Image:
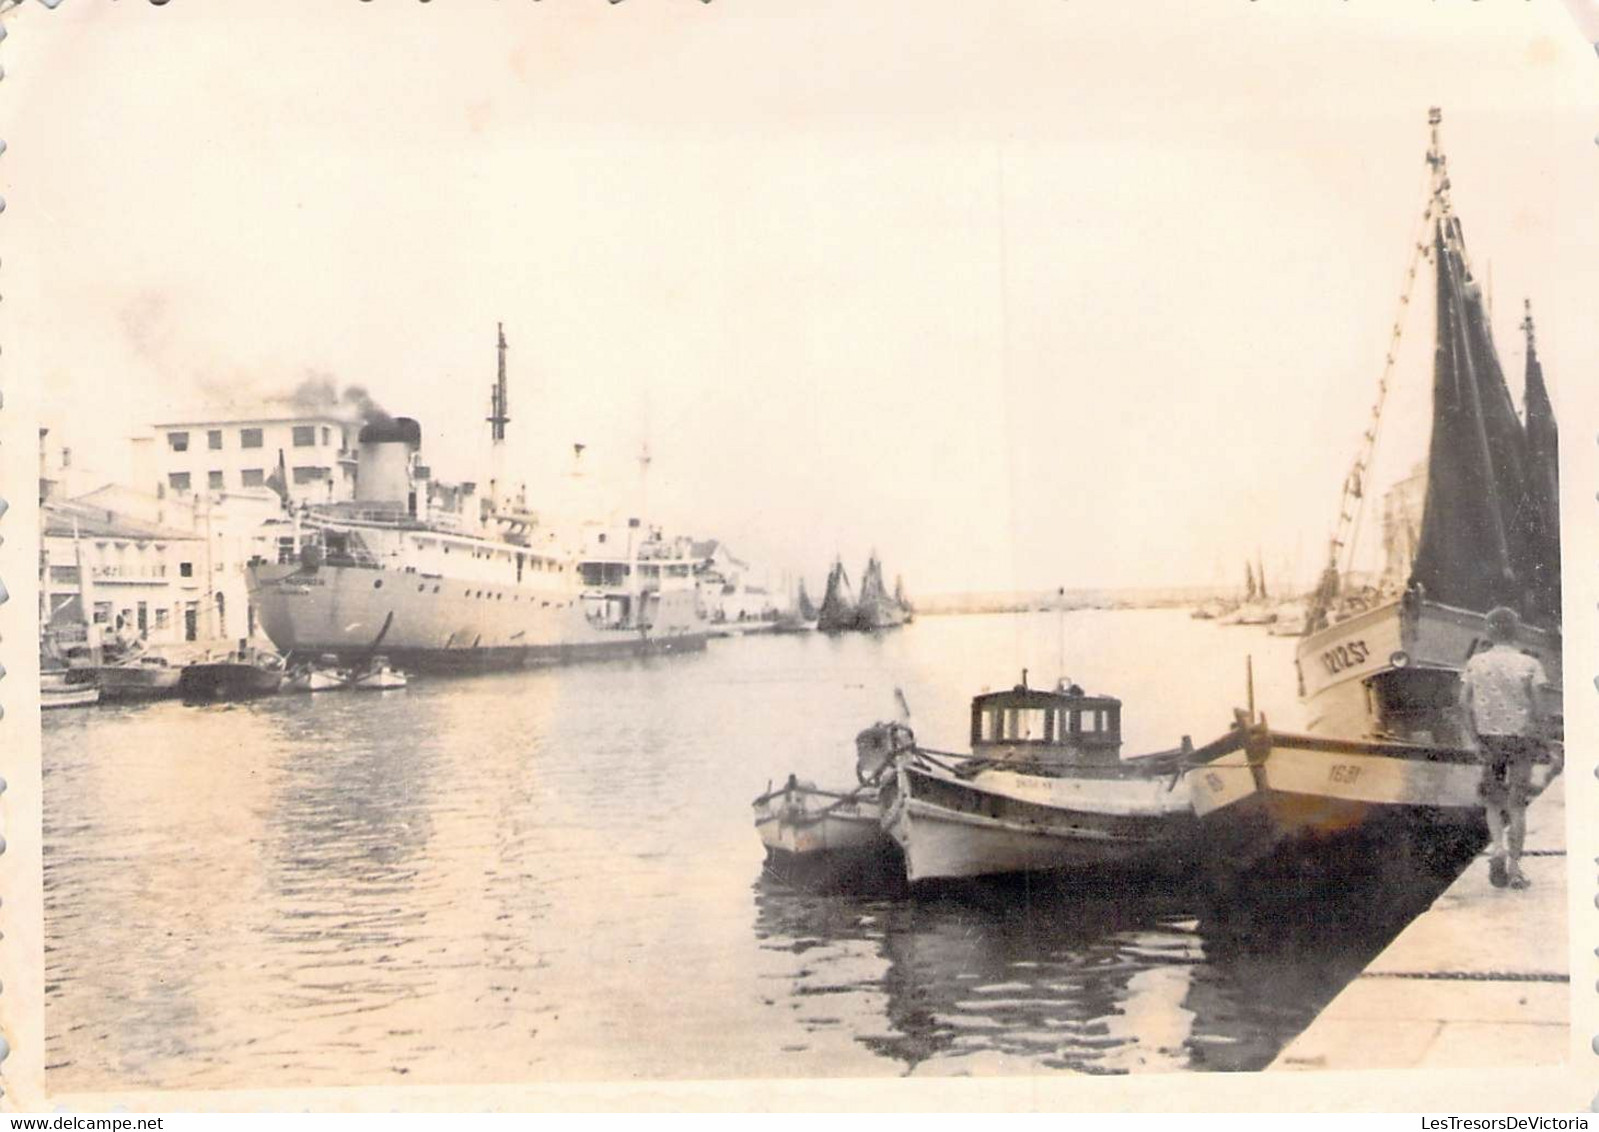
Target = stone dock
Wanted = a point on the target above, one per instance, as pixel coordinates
(1482, 978)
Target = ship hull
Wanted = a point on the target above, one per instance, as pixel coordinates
(438, 625)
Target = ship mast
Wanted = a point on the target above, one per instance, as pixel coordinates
(499, 410)
(1342, 546)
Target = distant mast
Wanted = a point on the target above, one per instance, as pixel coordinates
(499, 417)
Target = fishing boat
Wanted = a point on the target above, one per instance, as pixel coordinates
(1379, 669)
(838, 613)
(64, 689)
(140, 678)
(379, 676)
(1044, 788)
(877, 608)
(244, 674)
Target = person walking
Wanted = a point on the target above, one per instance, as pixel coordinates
(1501, 692)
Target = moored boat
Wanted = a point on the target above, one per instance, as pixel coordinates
(245, 674)
(379, 676)
(1379, 668)
(838, 612)
(146, 677)
(322, 676)
(61, 689)
(1045, 788)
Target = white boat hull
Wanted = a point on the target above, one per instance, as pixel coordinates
(1002, 822)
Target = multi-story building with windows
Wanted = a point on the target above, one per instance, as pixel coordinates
(316, 452)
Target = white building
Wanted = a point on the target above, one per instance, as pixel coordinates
(317, 450)
(102, 574)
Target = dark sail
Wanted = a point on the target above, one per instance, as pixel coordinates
(838, 605)
(1470, 544)
(1542, 505)
(803, 606)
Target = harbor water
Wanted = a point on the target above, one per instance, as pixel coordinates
(552, 875)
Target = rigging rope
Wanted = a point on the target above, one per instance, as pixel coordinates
(1352, 503)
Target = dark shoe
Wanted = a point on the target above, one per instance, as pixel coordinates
(1518, 879)
(1498, 875)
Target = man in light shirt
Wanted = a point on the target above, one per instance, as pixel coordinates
(1501, 690)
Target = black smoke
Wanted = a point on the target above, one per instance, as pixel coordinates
(319, 392)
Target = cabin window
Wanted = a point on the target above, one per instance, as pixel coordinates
(179, 441)
(249, 438)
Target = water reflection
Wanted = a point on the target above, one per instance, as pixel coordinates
(1016, 976)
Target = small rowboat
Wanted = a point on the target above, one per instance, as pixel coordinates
(379, 677)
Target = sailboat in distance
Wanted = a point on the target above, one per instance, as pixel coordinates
(838, 612)
(877, 608)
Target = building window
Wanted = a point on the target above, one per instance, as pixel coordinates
(179, 441)
(249, 438)
(214, 480)
(253, 477)
(310, 475)
(304, 436)
(178, 481)
(185, 569)
(162, 618)
(102, 613)
(327, 437)
(213, 440)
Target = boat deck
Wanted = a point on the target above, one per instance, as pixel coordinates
(1480, 979)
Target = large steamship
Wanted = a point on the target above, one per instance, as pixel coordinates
(440, 579)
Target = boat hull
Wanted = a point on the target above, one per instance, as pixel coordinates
(228, 681)
(134, 683)
(1002, 822)
(1393, 671)
(68, 696)
(826, 838)
(440, 626)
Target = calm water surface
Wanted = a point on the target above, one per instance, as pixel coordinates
(553, 875)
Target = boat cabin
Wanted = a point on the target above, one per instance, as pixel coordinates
(1063, 726)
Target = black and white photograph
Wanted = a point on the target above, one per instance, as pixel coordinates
(741, 549)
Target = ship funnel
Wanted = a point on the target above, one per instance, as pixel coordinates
(383, 474)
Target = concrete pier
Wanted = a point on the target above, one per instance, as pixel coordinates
(1480, 979)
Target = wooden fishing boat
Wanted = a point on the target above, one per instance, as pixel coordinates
(1045, 788)
(1379, 669)
(241, 675)
(146, 677)
(64, 689)
(877, 609)
(838, 613)
(800, 819)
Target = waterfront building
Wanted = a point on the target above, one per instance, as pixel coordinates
(315, 450)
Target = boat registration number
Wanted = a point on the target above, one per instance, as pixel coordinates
(1341, 658)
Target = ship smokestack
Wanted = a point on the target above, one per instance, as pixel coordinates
(383, 474)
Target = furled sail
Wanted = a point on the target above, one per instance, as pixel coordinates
(1472, 551)
(1542, 507)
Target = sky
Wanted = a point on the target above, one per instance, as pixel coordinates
(1019, 294)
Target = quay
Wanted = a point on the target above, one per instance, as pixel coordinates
(1480, 979)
